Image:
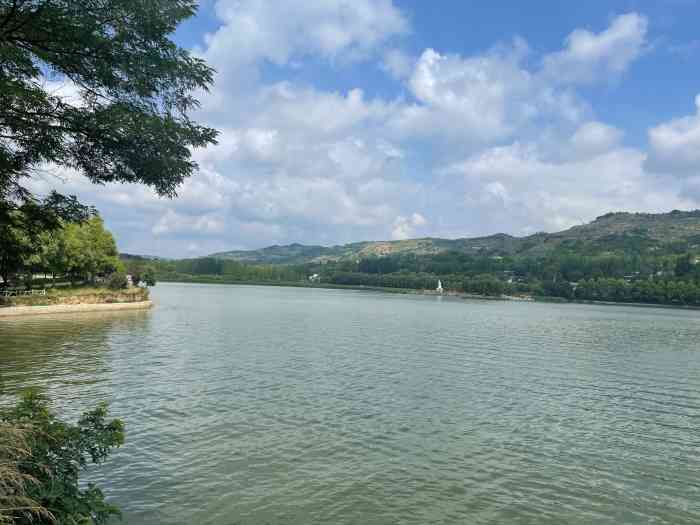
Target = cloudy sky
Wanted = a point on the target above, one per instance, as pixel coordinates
(348, 120)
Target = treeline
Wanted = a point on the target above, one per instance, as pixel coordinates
(659, 276)
(74, 251)
(565, 264)
(392, 280)
(654, 291)
(232, 270)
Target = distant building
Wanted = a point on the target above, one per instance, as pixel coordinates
(439, 287)
(315, 278)
(129, 280)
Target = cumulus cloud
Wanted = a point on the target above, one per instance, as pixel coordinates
(497, 140)
(397, 63)
(591, 57)
(277, 31)
(594, 138)
(406, 227)
(531, 190)
(175, 223)
(482, 98)
(675, 145)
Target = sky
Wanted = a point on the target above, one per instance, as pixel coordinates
(351, 120)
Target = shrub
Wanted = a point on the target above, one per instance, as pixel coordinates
(117, 281)
(149, 276)
(43, 458)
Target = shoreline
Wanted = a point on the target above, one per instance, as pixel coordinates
(448, 293)
(21, 311)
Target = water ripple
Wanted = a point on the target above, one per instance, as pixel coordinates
(257, 405)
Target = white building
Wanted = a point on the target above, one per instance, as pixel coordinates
(439, 287)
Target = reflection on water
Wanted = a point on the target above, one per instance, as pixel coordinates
(65, 350)
(279, 405)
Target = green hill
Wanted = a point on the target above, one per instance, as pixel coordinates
(638, 232)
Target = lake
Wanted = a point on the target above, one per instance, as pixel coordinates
(251, 405)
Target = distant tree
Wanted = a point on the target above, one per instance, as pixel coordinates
(685, 265)
(149, 276)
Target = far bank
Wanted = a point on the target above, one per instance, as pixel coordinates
(410, 291)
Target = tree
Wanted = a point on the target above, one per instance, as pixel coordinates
(22, 226)
(89, 249)
(46, 469)
(129, 119)
(117, 281)
(149, 276)
(684, 265)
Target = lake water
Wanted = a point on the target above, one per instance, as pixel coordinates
(253, 405)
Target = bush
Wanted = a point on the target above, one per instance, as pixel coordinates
(42, 458)
(117, 281)
(149, 277)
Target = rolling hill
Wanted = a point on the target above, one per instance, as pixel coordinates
(609, 232)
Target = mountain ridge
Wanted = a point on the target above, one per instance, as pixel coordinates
(611, 230)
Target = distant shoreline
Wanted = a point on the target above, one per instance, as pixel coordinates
(411, 291)
(21, 311)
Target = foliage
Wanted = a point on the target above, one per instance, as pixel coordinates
(81, 250)
(485, 285)
(149, 276)
(15, 504)
(232, 270)
(127, 116)
(117, 281)
(46, 467)
(25, 227)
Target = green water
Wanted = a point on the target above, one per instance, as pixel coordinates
(253, 405)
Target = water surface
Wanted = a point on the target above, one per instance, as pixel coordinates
(254, 405)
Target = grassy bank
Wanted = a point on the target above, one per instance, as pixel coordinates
(78, 295)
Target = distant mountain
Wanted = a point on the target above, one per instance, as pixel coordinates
(612, 231)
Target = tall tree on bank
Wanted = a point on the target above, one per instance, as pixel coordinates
(129, 119)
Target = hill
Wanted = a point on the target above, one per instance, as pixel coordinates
(609, 232)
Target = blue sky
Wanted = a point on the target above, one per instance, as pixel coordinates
(376, 119)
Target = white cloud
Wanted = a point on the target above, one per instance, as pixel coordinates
(533, 192)
(675, 145)
(477, 143)
(398, 64)
(175, 223)
(406, 227)
(482, 98)
(591, 57)
(277, 31)
(594, 138)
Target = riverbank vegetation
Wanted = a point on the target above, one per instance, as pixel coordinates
(69, 263)
(628, 272)
(42, 457)
(67, 252)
